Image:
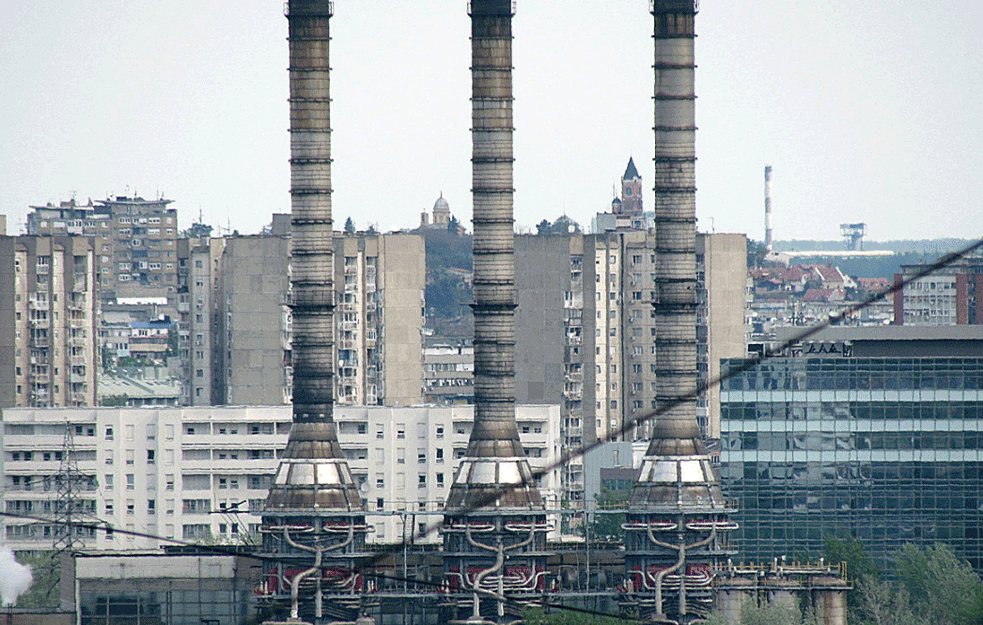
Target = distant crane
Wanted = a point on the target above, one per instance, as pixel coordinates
(854, 235)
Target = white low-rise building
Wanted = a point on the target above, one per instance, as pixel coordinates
(203, 473)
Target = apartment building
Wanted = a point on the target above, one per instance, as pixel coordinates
(250, 321)
(235, 327)
(203, 473)
(379, 317)
(585, 332)
(952, 295)
(135, 240)
(48, 340)
(448, 372)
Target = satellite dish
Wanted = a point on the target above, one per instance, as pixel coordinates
(364, 487)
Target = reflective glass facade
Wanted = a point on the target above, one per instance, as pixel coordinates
(884, 449)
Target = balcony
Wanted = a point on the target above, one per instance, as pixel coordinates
(574, 340)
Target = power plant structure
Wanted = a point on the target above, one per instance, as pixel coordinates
(495, 558)
(677, 520)
(853, 235)
(495, 526)
(313, 522)
(768, 226)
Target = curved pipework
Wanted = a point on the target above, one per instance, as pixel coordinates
(295, 585)
(499, 561)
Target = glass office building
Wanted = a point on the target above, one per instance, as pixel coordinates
(827, 442)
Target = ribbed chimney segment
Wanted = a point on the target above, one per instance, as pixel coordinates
(313, 472)
(494, 437)
(675, 207)
(768, 242)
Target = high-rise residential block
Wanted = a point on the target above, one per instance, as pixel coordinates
(202, 474)
(48, 339)
(586, 332)
(952, 295)
(135, 240)
(379, 284)
(236, 327)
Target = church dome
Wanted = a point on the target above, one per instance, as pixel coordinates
(441, 205)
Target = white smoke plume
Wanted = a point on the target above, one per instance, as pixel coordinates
(15, 578)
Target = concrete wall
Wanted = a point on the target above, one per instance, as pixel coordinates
(402, 274)
(542, 277)
(725, 261)
(251, 307)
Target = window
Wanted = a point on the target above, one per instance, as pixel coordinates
(109, 434)
(108, 481)
(440, 431)
(422, 480)
(151, 456)
(151, 506)
(440, 480)
(440, 455)
(421, 457)
(130, 481)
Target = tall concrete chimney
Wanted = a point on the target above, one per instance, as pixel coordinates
(768, 247)
(313, 505)
(495, 439)
(512, 524)
(676, 520)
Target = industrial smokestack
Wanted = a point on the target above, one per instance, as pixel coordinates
(313, 473)
(676, 512)
(491, 535)
(494, 445)
(768, 209)
(675, 207)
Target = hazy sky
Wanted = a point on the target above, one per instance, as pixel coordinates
(867, 111)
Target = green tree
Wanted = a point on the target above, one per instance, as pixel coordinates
(44, 591)
(860, 568)
(767, 614)
(536, 616)
(349, 226)
(883, 603)
(562, 225)
(608, 526)
(755, 253)
(940, 585)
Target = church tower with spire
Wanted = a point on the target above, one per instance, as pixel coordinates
(631, 190)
